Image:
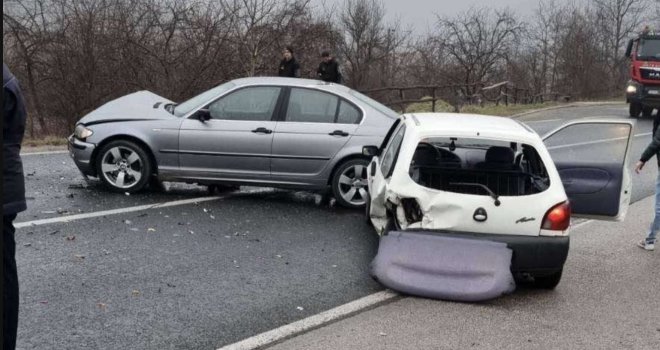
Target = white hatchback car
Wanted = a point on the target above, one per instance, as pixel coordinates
(493, 178)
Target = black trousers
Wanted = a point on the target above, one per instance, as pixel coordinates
(9, 284)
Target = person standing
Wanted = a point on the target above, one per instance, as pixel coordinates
(328, 69)
(289, 67)
(13, 199)
(653, 149)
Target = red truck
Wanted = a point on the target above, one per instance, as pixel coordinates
(643, 90)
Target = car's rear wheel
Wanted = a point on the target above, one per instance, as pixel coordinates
(548, 281)
(349, 183)
(123, 166)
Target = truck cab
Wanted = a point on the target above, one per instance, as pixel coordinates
(643, 89)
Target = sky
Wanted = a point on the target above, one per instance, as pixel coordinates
(420, 14)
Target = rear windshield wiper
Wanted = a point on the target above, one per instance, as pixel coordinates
(483, 187)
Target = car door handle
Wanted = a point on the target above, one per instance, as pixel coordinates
(262, 131)
(338, 133)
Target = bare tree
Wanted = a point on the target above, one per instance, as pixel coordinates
(617, 20)
(479, 41)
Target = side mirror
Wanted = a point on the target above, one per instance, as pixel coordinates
(203, 115)
(629, 49)
(370, 151)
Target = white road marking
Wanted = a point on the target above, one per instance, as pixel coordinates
(312, 322)
(578, 225)
(42, 153)
(70, 218)
(595, 142)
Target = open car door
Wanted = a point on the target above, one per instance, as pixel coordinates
(592, 159)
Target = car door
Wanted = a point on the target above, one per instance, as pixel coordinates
(379, 172)
(592, 159)
(236, 141)
(314, 126)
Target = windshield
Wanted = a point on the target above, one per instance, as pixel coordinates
(375, 104)
(199, 100)
(648, 49)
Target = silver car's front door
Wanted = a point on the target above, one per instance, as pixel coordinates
(236, 141)
(315, 127)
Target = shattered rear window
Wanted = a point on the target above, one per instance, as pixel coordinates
(478, 166)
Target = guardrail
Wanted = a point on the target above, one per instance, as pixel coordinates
(458, 95)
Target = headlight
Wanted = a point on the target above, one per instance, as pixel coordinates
(81, 132)
(631, 89)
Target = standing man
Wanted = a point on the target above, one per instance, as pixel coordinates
(653, 149)
(329, 69)
(13, 200)
(289, 67)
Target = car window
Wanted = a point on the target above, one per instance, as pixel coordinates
(311, 106)
(478, 166)
(201, 99)
(375, 104)
(253, 103)
(392, 152)
(348, 114)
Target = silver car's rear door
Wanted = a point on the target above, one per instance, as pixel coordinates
(315, 125)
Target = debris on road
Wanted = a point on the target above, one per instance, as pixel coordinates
(135, 293)
(70, 195)
(300, 308)
(151, 229)
(54, 232)
(102, 306)
(27, 245)
(126, 193)
(128, 222)
(44, 302)
(79, 256)
(382, 334)
(70, 237)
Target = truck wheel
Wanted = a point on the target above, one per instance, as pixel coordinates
(349, 183)
(647, 111)
(123, 166)
(548, 281)
(635, 109)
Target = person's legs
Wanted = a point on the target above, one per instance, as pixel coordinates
(655, 226)
(10, 276)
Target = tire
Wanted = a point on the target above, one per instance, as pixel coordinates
(127, 158)
(647, 111)
(349, 183)
(548, 281)
(635, 109)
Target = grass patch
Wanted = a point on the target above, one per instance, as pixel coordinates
(45, 141)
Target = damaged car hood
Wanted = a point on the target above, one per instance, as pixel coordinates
(136, 106)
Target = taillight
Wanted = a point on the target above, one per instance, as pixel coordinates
(558, 218)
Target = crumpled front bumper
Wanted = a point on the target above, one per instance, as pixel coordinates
(443, 267)
(81, 153)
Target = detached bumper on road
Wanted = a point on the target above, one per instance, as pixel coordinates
(81, 153)
(443, 267)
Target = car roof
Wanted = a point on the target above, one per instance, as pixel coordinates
(428, 124)
(300, 82)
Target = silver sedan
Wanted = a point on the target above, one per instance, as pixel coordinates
(275, 132)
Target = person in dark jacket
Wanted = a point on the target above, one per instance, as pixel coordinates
(329, 69)
(289, 67)
(653, 149)
(13, 199)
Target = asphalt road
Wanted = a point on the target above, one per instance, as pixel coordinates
(197, 276)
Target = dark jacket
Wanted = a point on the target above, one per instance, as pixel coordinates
(329, 71)
(653, 149)
(13, 114)
(289, 68)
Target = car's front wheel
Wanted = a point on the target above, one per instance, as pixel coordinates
(123, 166)
(349, 183)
